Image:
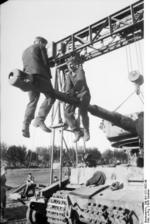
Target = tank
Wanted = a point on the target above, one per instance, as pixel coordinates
(118, 200)
(77, 203)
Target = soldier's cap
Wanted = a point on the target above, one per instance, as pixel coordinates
(42, 39)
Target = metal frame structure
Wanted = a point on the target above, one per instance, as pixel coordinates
(115, 31)
(57, 124)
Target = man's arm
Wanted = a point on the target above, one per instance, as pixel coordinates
(80, 84)
(68, 84)
(29, 182)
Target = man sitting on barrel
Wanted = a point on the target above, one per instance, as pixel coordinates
(35, 63)
(29, 187)
(76, 86)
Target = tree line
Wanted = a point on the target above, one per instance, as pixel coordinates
(21, 157)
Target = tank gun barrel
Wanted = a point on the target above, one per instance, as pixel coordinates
(15, 79)
(116, 118)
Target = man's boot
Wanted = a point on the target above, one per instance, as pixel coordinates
(25, 130)
(2, 219)
(65, 126)
(41, 124)
(86, 135)
(78, 134)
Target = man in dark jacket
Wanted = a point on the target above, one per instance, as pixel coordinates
(76, 86)
(35, 63)
(29, 187)
(2, 193)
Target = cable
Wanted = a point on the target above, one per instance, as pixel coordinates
(67, 153)
(130, 58)
(55, 112)
(142, 94)
(124, 101)
(141, 60)
(30, 160)
(32, 147)
(76, 151)
(138, 55)
(127, 58)
(141, 99)
(136, 49)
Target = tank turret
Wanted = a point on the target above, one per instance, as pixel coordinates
(119, 137)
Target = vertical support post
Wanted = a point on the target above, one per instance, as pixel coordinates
(63, 80)
(52, 157)
(84, 145)
(132, 14)
(63, 89)
(90, 34)
(56, 87)
(73, 43)
(110, 26)
(61, 154)
(78, 117)
(68, 155)
(76, 151)
(60, 88)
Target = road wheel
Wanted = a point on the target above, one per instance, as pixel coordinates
(31, 216)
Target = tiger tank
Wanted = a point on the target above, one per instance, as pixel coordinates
(118, 199)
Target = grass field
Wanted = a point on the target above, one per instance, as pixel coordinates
(16, 177)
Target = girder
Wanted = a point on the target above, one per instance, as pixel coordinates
(115, 31)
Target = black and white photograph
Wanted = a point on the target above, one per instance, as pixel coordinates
(74, 144)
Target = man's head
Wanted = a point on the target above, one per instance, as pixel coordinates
(40, 40)
(73, 62)
(29, 175)
(55, 178)
(71, 65)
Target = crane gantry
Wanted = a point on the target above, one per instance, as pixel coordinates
(117, 30)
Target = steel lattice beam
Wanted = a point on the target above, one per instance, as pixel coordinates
(115, 31)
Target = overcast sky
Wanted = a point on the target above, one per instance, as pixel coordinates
(107, 76)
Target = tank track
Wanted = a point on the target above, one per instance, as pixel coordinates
(56, 208)
(93, 214)
(102, 214)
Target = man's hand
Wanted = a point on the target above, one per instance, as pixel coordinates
(29, 79)
(71, 93)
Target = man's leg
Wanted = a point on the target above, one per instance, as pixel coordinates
(85, 122)
(30, 111)
(30, 190)
(2, 205)
(84, 114)
(43, 112)
(71, 121)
